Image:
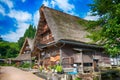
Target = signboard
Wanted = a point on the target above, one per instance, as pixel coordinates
(68, 69)
(71, 71)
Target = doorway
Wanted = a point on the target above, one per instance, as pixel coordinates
(95, 65)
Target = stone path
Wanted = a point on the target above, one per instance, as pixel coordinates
(12, 73)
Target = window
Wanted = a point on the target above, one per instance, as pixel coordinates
(87, 64)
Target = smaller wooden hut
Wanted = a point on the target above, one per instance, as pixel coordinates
(25, 52)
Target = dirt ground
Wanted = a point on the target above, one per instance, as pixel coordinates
(12, 73)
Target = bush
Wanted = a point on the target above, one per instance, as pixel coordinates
(25, 65)
(111, 74)
(53, 67)
(6, 64)
(78, 78)
(96, 78)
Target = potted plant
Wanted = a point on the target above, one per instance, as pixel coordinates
(40, 68)
(59, 69)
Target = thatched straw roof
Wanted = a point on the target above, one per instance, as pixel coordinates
(23, 57)
(62, 25)
(29, 42)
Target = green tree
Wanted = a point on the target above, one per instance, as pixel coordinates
(30, 32)
(20, 41)
(109, 12)
(1, 38)
(8, 49)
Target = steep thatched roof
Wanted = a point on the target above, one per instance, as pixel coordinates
(23, 57)
(63, 26)
(29, 42)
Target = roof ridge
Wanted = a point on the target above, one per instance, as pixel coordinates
(61, 12)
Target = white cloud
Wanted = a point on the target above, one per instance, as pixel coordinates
(46, 3)
(22, 18)
(62, 4)
(23, 1)
(14, 36)
(9, 3)
(53, 3)
(36, 17)
(2, 10)
(90, 17)
(20, 15)
(21, 24)
(21, 21)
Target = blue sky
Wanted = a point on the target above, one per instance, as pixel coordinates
(16, 15)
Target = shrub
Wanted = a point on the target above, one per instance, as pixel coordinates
(25, 65)
(78, 78)
(96, 78)
(111, 74)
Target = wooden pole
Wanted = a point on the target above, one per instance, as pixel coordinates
(82, 62)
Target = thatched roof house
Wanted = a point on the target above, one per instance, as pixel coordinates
(25, 52)
(60, 37)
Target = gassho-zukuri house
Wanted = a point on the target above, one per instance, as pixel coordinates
(61, 39)
(25, 52)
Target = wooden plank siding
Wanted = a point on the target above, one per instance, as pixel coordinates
(46, 35)
(87, 56)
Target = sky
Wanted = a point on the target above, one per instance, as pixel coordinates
(17, 15)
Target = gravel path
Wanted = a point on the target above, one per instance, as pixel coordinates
(12, 73)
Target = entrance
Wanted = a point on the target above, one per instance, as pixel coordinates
(95, 65)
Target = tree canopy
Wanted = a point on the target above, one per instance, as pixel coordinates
(30, 32)
(1, 38)
(8, 49)
(109, 34)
